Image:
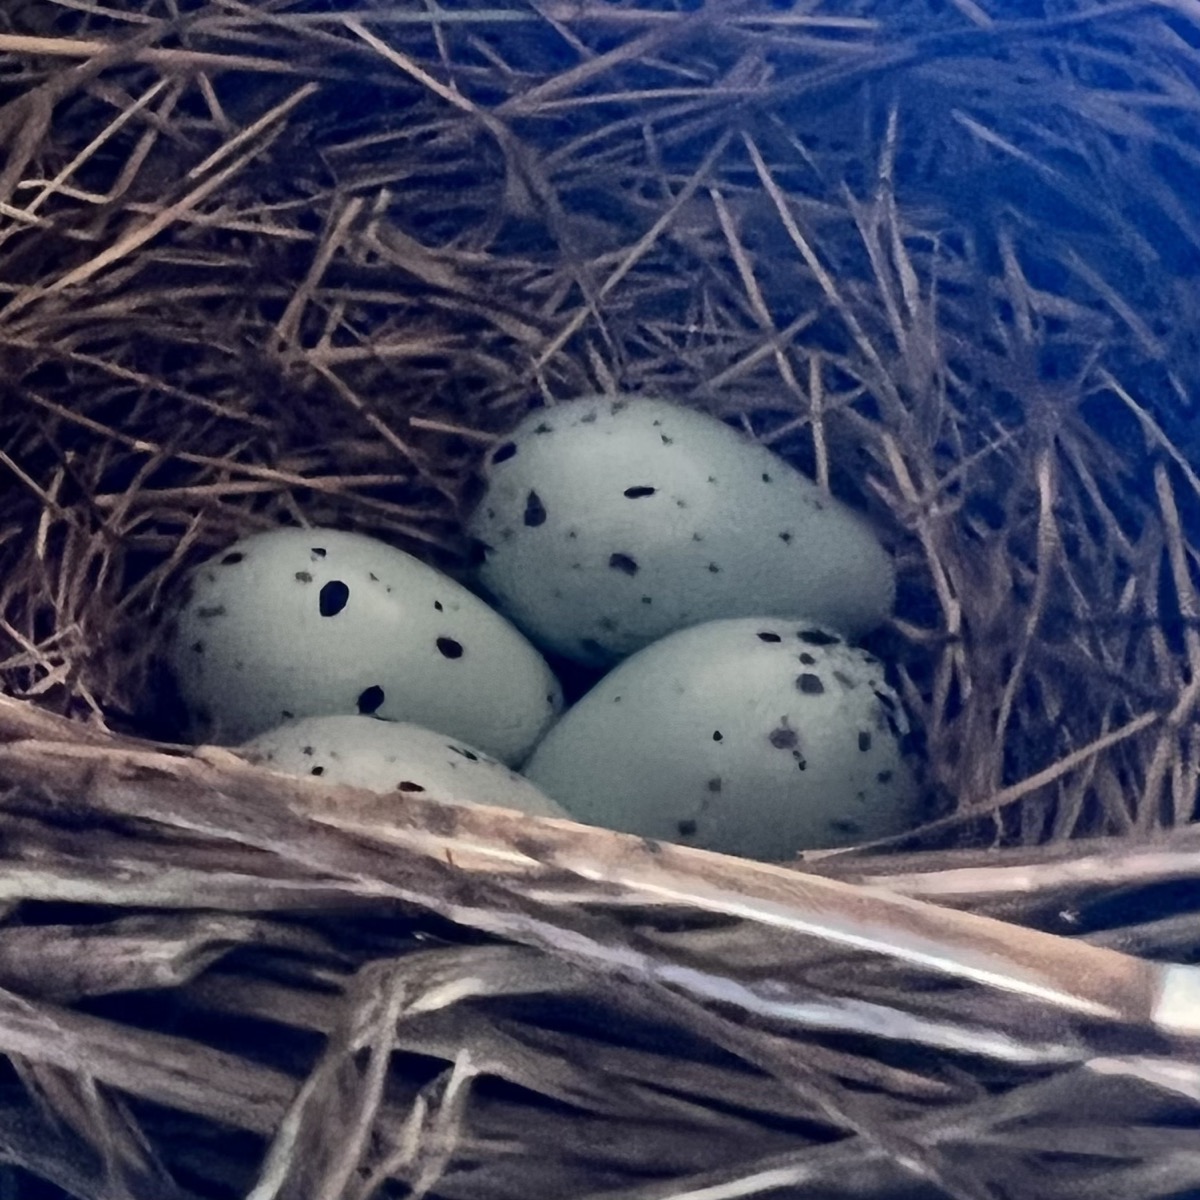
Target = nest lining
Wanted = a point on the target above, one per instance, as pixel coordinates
(294, 263)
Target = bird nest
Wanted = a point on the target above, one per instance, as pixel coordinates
(298, 261)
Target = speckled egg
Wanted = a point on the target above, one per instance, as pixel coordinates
(608, 522)
(304, 622)
(756, 737)
(395, 758)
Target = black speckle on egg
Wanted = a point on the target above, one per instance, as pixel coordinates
(810, 684)
(625, 563)
(817, 637)
(884, 777)
(407, 785)
(697, 537)
(286, 715)
(372, 577)
(712, 479)
(535, 511)
(211, 611)
(504, 452)
(807, 659)
(449, 648)
(783, 738)
(766, 478)
(318, 551)
(230, 559)
(197, 647)
(768, 636)
(636, 493)
(801, 761)
(714, 784)
(714, 569)
(647, 600)
(687, 827)
(718, 736)
(303, 577)
(845, 680)
(785, 537)
(886, 701)
(465, 753)
(666, 441)
(370, 700)
(437, 604)
(333, 598)
(864, 740)
(307, 751)
(544, 427)
(317, 771)
(589, 418)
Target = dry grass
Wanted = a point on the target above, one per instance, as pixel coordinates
(290, 261)
(507, 1007)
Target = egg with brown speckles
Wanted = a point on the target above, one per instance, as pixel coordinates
(609, 522)
(306, 622)
(395, 758)
(757, 737)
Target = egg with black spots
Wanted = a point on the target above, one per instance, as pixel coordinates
(609, 522)
(306, 622)
(395, 758)
(752, 736)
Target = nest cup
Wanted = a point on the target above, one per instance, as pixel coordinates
(304, 264)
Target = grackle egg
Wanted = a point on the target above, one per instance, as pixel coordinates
(396, 758)
(609, 522)
(305, 622)
(757, 737)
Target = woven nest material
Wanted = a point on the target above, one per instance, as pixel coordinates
(296, 261)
